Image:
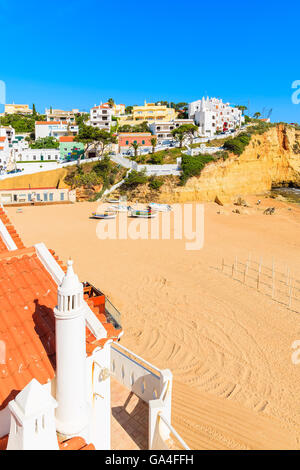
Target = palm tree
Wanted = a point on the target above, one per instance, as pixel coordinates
(153, 143)
(110, 102)
(135, 146)
(257, 115)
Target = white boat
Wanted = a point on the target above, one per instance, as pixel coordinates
(143, 214)
(160, 207)
(113, 201)
(104, 215)
(119, 208)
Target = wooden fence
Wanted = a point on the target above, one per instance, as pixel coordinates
(280, 286)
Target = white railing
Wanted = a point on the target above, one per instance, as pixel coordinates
(172, 431)
(138, 375)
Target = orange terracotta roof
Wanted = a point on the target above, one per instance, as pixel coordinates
(2, 139)
(68, 138)
(28, 295)
(3, 442)
(75, 443)
(11, 230)
(47, 123)
(1, 148)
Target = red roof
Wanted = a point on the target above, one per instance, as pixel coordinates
(28, 295)
(2, 139)
(68, 138)
(47, 123)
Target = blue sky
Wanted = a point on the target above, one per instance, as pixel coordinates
(72, 53)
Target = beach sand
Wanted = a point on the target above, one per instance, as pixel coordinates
(228, 345)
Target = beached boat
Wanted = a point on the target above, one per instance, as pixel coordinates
(144, 214)
(120, 207)
(104, 215)
(113, 201)
(160, 207)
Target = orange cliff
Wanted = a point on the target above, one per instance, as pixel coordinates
(272, 158)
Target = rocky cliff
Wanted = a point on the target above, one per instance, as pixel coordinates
(272, 158)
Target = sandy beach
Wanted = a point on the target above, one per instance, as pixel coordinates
(227, 344)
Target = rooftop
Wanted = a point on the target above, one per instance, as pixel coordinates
(28, 294)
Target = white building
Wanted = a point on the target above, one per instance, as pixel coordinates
(9, 132)
(163, 129)
(212, 116)
(4, 152)
(63, 372)
(54, 129)
(101, 117)
(60, 115)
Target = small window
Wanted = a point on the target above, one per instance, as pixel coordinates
(62, 196)
(143, 142)
(38, 197)
(127, 142)
(51, 197)
(45, 197)
(29, 196)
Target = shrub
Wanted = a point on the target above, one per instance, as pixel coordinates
(155, 182)
(134, 178)
(237, 144)
(192, 166)
(156, 159)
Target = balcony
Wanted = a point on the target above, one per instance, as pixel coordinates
(141, 400)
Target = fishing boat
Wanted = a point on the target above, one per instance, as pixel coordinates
(160, 207)
(113, 201)
(143, 214)
(104, 215)
(120, 207)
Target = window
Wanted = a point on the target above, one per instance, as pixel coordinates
(29, 196)
(127, 142)
(38, 197)
(15, 197)
(51, 197)
(135, 142)
(34, 157)
(49, 157)
(143, 142)
(62, 196)
(45, 197)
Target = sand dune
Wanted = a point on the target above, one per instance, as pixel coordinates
(228, 346)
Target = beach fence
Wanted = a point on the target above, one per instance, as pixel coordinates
(280, 286)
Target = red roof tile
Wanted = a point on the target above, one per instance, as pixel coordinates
(12, 231)
(75, 443)
(28, 295)
(68, 138)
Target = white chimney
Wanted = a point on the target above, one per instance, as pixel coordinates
(72, 410)
(32, 424)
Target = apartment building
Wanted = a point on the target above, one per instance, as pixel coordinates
(212, 116)
(7, 131)
(101, 117)
(17, 109)
(26, 196)
(54, 129)
(153, 112)
(60, 115)
(4, 152)
(118, 109)
(163, 129)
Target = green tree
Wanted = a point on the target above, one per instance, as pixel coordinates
(135, 146)
(45, 143)
(153, 143)
(241, 108)
(104, 139)
(87, 136)
(110, 102)
(256, 115)
(128, 109)
(186, 130)
(33, 110)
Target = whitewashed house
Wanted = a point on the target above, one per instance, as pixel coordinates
(101, 117)
(65, 380)
(54, 129)
(163, 129)
(212, 116)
